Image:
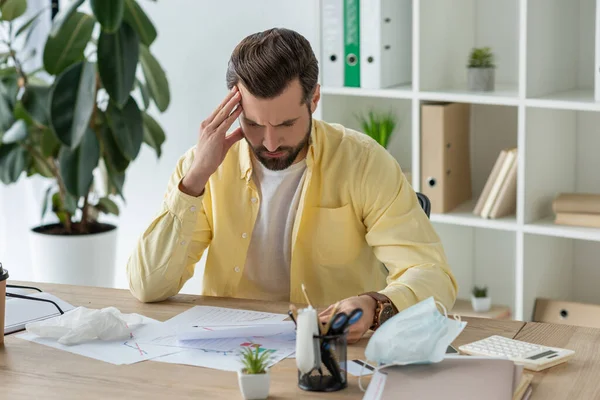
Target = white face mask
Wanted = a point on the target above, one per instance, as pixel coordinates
(419, 334)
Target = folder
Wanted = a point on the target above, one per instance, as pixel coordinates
(506, 202)
(445, 155)
(352, 43)
(20, 312)
(490, 182)
(332, 31)
(597, 59)
(385, 43)
(455, 377)
(493, 197)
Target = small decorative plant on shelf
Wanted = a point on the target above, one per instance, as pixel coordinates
(254, 378)
(480, 300)
(378, 126)
(481, 70)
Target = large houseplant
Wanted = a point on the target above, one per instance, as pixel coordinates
(76, 121)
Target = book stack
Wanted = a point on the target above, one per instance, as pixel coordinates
(577, 209)
(499, 195)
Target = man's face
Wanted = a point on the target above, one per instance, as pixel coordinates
(277, 129)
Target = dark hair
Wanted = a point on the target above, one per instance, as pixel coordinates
(266, 62)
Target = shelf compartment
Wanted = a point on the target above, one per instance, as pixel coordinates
(396, 92)
(561, 157)
(502, 95)
(449, 30)
(561, 51)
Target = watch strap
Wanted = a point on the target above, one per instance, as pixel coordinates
(381, 302)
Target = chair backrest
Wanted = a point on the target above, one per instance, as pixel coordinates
(425, 203)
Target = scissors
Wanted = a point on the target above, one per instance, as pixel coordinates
(341, 321)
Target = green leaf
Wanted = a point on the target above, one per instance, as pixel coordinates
(137, 18)
(107, 206)
(116, 180)
(77, 165)
(118, 55)
(20, 113)
(112, 153)
(16, 133)
(9, 87)
(35, 101)
(60, 209)
(144, 93)
(109, 13)
(63, 15)
(68, 45)
(12, 9)
(154, 136)
(50, 144)
(30, 22)
(72, 100)
(13, 161)
(127, 127)
(42, 168)
(155, 79)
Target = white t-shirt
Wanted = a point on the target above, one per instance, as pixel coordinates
(267, 269)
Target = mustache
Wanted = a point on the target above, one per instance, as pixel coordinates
(264, 149)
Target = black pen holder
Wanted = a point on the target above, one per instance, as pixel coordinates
(331, 375)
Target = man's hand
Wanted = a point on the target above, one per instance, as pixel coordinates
(368, 305)
(213, 143)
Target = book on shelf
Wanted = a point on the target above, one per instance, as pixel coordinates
(584, 203)
(578, 219)
(499, 195)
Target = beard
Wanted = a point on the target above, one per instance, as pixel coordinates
(283, 162)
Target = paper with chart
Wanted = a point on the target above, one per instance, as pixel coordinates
(118, 352)
(223, 354)
(213, 317)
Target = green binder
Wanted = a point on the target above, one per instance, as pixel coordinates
(352, 43)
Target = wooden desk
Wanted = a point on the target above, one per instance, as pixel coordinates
(30, 370)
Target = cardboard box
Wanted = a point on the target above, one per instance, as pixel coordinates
(567, 313)
(445, 155)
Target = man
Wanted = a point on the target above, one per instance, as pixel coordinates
(285, 200)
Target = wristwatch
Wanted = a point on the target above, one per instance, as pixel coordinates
(384, 310)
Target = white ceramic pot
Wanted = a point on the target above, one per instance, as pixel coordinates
(481, 304)
(254, 386)
(87, 260)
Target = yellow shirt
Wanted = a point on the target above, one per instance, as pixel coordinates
(359, 227)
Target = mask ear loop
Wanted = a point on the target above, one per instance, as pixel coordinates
(455, 316)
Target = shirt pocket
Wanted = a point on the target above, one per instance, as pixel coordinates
(337, 236)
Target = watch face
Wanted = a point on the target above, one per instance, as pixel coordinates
(386, 313)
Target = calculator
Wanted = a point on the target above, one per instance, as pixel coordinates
(532, 356)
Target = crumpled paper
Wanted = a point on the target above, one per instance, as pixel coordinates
(83, 324)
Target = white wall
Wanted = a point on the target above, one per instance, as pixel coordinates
(195, 40)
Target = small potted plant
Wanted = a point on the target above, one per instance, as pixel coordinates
(481, 70)
(480, 300)
(378, 126)
(254, 378)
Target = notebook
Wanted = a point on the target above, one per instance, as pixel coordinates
(20, 312)
(456, 377)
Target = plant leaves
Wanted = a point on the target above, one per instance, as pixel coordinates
(127, 127)
(13, 161)
(42, 168)
(16, 133)
(35, 101)
(68, 45)
(144, 93)
(139, 21)
(112, 154)
(154, 136)
(63, 15)
(156, 80)
(118, 55)
(29, 22)
(107, 206)
(116, 180)
(109, 13)
(50, 144)
(77, 165)
(72, 100)
(12, 9)
(61, 209)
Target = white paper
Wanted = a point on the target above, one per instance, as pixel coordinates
(115, 352)
(166, 333)
(356, 366)
(376, 386)
(224, 354)
(196, 332)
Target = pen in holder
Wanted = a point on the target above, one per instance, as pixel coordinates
(328, 376)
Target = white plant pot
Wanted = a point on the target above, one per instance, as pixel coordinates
(87, 260)
(254, 386)
(481, 304)
(481, 79)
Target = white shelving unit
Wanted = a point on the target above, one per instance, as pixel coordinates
(543, 104)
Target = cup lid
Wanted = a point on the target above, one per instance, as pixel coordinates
(3, 273)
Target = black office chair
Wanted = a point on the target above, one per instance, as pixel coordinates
(425, 203)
